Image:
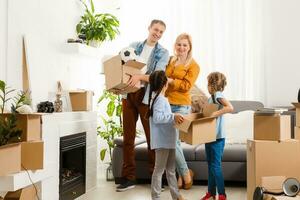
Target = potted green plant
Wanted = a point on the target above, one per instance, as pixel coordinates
(96, 28)
(9, 132)
(111, 126)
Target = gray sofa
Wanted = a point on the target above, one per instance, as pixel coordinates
(233, 162)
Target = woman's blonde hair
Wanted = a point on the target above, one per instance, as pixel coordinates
(217, 81)
(189, 39)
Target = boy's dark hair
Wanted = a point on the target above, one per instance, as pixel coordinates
(157, 21)
(217, 81)
(157, 81)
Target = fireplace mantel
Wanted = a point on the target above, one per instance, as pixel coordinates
(54, 126)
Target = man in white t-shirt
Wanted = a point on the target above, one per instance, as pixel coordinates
(136, 104)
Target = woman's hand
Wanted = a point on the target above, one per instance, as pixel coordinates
(178, 118)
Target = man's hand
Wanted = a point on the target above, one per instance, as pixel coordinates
(178, 118)
(134, 79)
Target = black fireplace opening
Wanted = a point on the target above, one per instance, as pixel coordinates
(72, 168)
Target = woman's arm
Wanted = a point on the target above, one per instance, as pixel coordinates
(185, 84)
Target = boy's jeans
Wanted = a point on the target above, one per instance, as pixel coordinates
(214, 152)
(181, 165)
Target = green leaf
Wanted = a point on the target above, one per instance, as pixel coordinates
(102, 154)
(119, 110)
(110, 108)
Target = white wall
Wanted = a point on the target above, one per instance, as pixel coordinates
(282, 51)
(47, 25)
(3, 35)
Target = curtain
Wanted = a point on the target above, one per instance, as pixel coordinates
(227, 37)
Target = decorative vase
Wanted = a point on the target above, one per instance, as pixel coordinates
(109, 173)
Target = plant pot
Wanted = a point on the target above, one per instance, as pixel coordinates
(109, 173)
(95, 43)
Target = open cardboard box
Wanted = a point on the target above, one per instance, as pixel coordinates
(271, 158)
(30, 124)
(117, 75)
(81, 100)
(199, 128)
(272, 127)
(297, 106)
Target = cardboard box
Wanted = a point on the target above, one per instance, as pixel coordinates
(297, 106)
(28, 193)
(272, 127)
(273, 183)
(198, 128)
(117, 75)
(32, 155)
(30, 124)
(297, 133)
(277, 197)
(271, 158)
(81, 100)
(10, 159)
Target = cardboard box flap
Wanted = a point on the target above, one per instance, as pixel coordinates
(208, 109)
(115, 60)
(135, 64)
(296, 104)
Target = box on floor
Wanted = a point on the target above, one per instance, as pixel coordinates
(117, 75)
(272, 127)
(271, 158)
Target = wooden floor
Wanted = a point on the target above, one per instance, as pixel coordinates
(106, 191)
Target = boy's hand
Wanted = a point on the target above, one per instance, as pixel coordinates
(178, 118)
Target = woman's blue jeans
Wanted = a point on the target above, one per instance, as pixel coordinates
(214, 153)
(181, 165)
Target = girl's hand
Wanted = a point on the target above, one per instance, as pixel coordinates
(170, 81)
(178, 118)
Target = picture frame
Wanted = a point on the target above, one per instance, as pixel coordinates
(66, 101)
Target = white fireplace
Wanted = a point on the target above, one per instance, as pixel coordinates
(55, 126)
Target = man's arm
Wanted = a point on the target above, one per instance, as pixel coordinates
(160, 65)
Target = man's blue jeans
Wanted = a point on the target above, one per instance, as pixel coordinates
(214, 153)
(181, 165)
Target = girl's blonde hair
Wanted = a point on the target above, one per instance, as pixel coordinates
(189, 39)
(217, 81)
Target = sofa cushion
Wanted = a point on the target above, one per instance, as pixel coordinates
(138, 140)
(232, 153)
(141, 151)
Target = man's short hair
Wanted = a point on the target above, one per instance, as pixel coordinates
(157, 21)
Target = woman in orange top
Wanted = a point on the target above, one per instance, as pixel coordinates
(182, 72)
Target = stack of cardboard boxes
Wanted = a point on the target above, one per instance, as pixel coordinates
(29, 153)
(272, 153)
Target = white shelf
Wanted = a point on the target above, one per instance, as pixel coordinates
(13, 182)
(83, 49)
